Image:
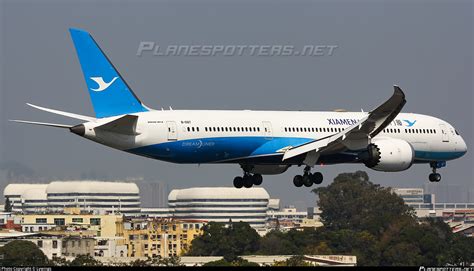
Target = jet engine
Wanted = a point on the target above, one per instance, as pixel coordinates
(388, 155)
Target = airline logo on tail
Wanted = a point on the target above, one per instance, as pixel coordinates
(102, 85)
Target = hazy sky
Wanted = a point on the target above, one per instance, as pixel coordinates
(424, 46)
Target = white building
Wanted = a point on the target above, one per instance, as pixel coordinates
(90, 196)
(156, 212)
(109, 247)
(288, 213)
(426, 206)
(220, 204)
(17, 194)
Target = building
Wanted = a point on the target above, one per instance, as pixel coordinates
(459, 214)
(51, 245)
(156, 212)
(160, 237)
(220, 204)
(111, 247)
(414, 196)
(75, 245)
(105, 197)
(17, 194)
(448, 192)
(110, 225)
(289, 218)
(288, 213)
(262, 260)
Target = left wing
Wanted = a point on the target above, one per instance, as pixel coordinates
(356, 136)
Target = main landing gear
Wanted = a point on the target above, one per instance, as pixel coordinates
(248, 180)
(308, 178)
(436, 177)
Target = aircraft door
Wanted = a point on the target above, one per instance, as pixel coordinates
(172, 131)
(444, 133)
(267, 130)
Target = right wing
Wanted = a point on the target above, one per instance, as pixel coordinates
(353, 137)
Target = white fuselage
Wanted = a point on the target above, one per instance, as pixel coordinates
(260, 137)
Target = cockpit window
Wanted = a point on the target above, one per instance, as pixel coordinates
(456, 132)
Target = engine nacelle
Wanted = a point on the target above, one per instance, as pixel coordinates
(389, 155)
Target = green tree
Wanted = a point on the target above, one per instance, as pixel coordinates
(169, 261)
(277, 243)
(85, 260)
(141, 263)
(59, 261)
(220, 262)
(22, 253)
(353, 202)
(238, 261)
(461, 251)
(321, 248)
(8, 205)
(297, 260)
(219, 239)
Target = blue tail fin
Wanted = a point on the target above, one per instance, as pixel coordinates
(110, 94)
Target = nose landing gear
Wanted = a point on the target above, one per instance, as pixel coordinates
(436, 177)
(308, 178)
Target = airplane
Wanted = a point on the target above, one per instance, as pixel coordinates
(261, 142)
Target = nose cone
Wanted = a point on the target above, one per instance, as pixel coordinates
(78, 130)
(463, 145)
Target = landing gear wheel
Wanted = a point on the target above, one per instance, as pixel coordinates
(317, 177)
(298, 180)
(247, 181)
(435, 177)
(307, 180)
(238, 182)
(257, 179)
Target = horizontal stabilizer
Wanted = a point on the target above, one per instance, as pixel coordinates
(44, 124)
(124, 125)
(62, 113)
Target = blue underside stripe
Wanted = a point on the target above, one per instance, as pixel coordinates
(259, 149)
